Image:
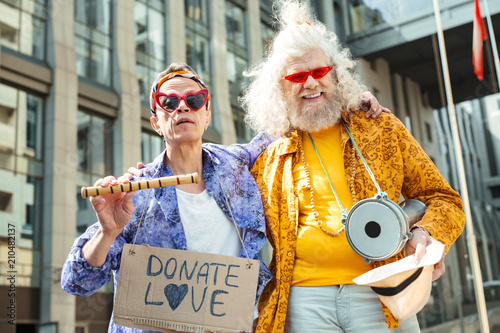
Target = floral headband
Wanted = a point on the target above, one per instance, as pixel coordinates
(157, 84)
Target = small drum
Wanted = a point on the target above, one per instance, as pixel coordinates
(378, 228)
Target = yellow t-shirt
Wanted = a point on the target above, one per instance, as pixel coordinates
(321, 259)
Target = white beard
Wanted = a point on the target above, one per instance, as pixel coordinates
(315, 118)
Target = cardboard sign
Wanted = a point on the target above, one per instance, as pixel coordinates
(164, 289)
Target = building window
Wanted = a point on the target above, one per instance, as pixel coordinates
(244, 133)
(94, 161)
(267, 36)
(94, 145)
(93, 40)
(235, 24)
(22, 26)
(266, 5)
(21, 116)
(5, 202)
(198, 38)
(33, 201)
(152, 145)
(367, 14)
(236, 63)
(428, 131)
(339, 20)
(150, 41)
(266, 25)
(34, 121)
(21, 153)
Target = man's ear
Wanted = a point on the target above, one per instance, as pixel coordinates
(209, 118)
(155, 125)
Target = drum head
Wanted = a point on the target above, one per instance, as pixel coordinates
(375, 228)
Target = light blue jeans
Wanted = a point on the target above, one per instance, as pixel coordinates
(345, 308)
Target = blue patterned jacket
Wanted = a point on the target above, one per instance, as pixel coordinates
(161, 225)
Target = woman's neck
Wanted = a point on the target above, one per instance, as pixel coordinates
(186, 159)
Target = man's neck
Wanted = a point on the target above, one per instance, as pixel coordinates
(186, 159)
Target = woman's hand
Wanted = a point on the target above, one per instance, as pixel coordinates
(417, 245)
(370, 104)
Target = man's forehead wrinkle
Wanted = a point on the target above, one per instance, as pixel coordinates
(309, 61)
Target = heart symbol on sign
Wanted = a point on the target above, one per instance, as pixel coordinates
(175, 294)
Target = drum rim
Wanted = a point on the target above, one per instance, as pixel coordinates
(404, 226)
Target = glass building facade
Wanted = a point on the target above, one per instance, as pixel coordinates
(23, 25)
(93, 40)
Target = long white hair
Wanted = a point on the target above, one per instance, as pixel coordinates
(299, 33)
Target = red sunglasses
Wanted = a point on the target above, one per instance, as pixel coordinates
(169, 103)
(316, 73)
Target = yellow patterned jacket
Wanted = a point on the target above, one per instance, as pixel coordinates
(400, 166)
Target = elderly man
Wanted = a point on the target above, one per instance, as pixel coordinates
(305, 90)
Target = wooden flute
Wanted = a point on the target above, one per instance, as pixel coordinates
(141, 185)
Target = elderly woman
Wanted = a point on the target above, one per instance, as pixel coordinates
(180, 107)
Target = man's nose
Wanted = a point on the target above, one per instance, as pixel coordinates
(310, 83)
(182, 106)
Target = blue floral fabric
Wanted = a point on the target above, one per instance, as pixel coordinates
(161, 225)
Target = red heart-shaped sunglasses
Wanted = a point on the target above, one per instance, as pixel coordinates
(170, 102)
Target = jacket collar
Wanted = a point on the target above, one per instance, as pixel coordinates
(288, 144)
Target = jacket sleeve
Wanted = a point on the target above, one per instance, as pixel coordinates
(444, 218)
(252, 150)
(81, 279)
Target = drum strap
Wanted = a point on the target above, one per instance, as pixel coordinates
(372, 176)
(342, 209)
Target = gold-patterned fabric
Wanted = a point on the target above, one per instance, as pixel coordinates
(400, 166)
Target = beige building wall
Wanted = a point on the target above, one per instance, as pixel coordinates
(255, 50)
(412, 108)
(127, 143)
(218, 46)
(59, 230)
(398, 98)
(176, 37)
(377, 78)
(422, 116)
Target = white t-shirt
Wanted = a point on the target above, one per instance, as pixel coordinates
(206, 227)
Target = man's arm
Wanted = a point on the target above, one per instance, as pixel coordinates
(95, 253)
(113, 211)
(444, 219)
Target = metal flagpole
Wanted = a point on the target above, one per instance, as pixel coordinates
(471, 238)
(493, 41)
